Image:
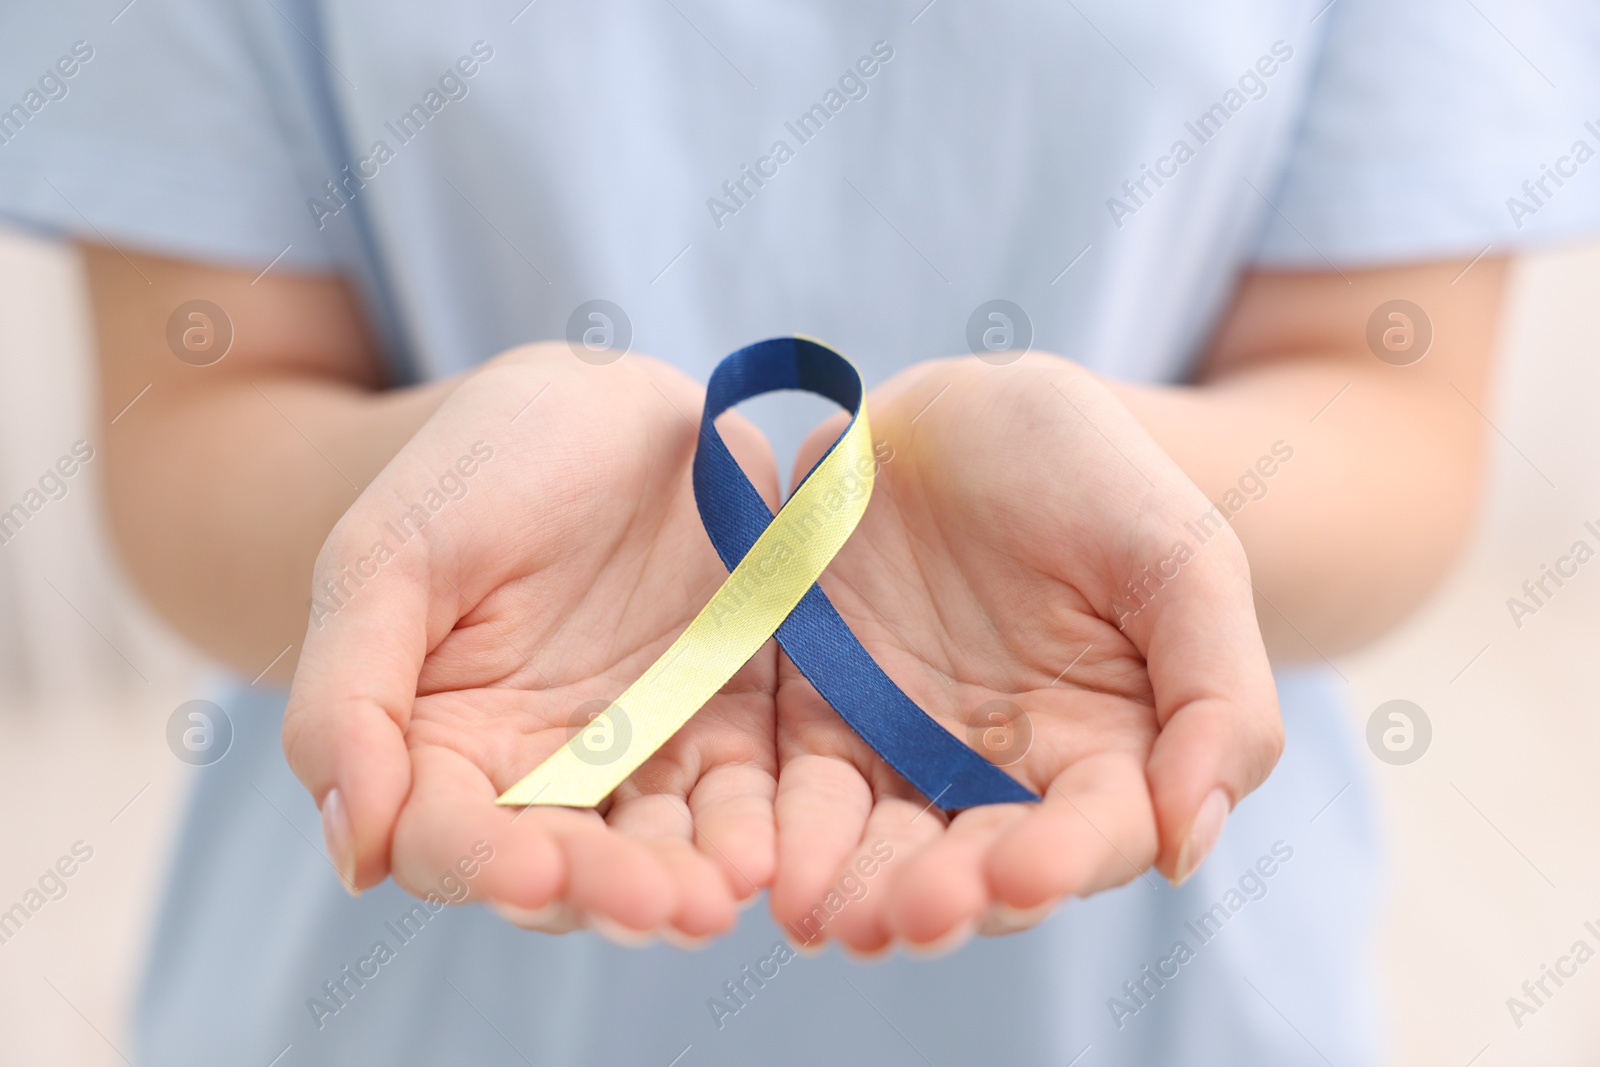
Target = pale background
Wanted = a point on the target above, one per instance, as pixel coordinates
(1492, 834)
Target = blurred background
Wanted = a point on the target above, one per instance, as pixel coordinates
(1491, 832)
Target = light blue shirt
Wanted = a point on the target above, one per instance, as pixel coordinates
(863, 173)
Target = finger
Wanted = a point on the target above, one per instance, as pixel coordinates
(705, 904)
(1093, 829)
(661, 822)
(898, 829)
(941, 893)
(822, 807)
(452, 841)
(1221, 733)
(732, 806)
(343, 730)
(615, 882)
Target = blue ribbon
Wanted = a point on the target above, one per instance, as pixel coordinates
(816, 639)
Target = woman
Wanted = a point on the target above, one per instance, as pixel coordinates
(1268, 240)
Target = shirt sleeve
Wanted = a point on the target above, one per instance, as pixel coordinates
(180, 127)
(1434, 130)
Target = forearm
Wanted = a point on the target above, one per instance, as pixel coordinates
(1353, 530)
(1350, 509)
(220, 506)
(223, 480)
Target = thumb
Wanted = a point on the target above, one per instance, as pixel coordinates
(1221, 733)
(344, 729)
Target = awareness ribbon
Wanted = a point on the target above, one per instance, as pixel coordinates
(771, 590)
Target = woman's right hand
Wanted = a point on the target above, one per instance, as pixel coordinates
(465, 624)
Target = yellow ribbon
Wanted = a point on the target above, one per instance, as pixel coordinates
(788, 557)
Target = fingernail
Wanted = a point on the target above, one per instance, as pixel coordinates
(867, 955)
(553, 918)
(945, 944)
(1003, 919)
(680, 940)
(617, 934)
(340, 841)
(805, 946)
(1203, 834)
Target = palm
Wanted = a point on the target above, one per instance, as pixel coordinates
(570, 564)
(982, 580)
